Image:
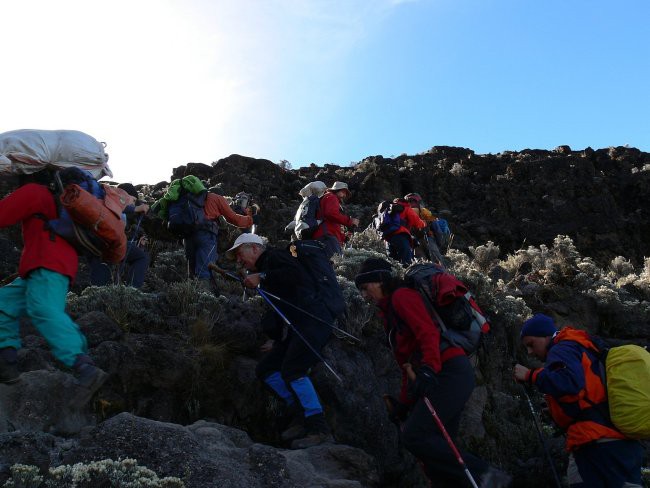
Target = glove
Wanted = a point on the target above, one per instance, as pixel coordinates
(256, 219)
(425, 382)
(397, 411)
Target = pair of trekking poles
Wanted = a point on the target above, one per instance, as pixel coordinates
(269, 297)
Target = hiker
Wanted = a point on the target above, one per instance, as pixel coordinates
(304, 222)
(332, 217)
(428, 243)
(443, 371)
(134, 266)
(285, 367)
(398, 236)
(192, 213)
(600, 455)
(48, 264)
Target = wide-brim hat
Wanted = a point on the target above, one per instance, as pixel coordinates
(247, 238)
(339, 185)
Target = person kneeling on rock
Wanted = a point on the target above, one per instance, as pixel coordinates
(293, 349)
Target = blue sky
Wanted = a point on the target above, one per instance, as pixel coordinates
(168, 82)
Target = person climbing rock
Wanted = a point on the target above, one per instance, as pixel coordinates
(443, 375)
(600, 455)
(48, 264)
(331, 214)
(289, 355)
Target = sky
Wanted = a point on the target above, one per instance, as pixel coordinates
(167, 82)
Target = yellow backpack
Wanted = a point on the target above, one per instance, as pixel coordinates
(627, 370)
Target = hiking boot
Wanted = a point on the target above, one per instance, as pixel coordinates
(9, 373)
(89, 378)
(295, 429)
(317, 432)
(495, 478)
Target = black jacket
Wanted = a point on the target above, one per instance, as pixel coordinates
(289, 280)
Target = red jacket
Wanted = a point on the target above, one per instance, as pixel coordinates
(413, 335)
(411, 219)
(333, 218)
(41, 248)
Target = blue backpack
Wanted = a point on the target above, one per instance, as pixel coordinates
(442, 233)
(389, 221)
(186, 215)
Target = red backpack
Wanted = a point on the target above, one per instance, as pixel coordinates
(451, 305)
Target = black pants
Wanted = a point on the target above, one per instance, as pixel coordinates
(292, 357)
(423, 438)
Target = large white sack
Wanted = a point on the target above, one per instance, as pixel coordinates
(28, 151)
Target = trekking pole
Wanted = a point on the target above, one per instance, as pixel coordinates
(295, 330)
(459, 459)
(296, 307)
(122, 266)
(9, 279)
(542, 439)
(225, 272)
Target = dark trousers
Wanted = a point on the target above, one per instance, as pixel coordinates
(332, 245)
(200, 250)
(606, 465)
(399, 248)
(423, 438)
(132, 269)
(293, 357)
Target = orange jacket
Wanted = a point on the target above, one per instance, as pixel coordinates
(216, 205)
(574, 390)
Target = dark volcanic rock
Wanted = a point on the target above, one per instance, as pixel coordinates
(207, 454)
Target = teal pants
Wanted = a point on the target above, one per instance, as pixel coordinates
(41, 297)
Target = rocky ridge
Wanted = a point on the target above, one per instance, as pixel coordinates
(182, 398)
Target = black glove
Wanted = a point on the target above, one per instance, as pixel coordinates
(256, 219)
(425, 382)
(397, 411)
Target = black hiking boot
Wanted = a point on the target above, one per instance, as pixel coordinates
(295, 430)
(89, 378)
(317, 432)
(495, 478)
(9, 373)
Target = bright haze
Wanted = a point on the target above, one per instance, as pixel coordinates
(165, 83)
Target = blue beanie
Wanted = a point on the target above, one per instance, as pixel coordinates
(539, 325)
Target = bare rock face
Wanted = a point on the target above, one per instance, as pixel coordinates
(209, 454)
(597, 197)
(40, 402)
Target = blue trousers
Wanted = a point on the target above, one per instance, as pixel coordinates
(606, 465)
(399, 248)
(132, 269)
(41, 297)
(200, 250)
(332, 245)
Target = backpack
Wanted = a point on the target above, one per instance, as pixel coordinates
(389, 221)
(241, 202)
(313, 257)
(627, 379)
(451, 305)
(90, 215)
(442, 233)
(186, 214)
(305, 218)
